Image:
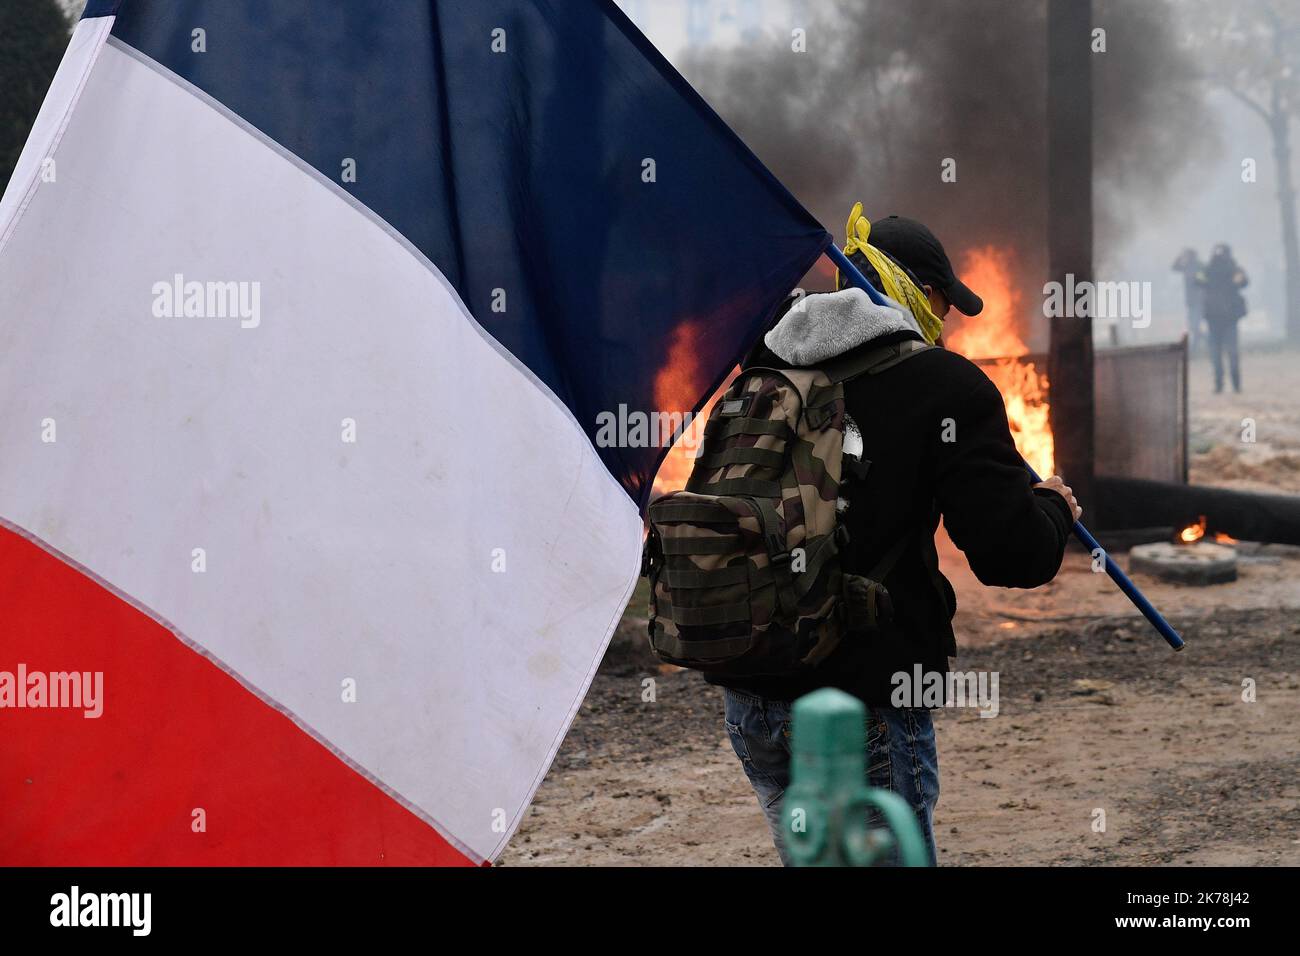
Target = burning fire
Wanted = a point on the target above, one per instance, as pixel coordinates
(1223, 537)
(677, 385)
(1193, 532)
(993, 335)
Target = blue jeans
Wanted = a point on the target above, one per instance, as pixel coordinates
(1223, 344)
(901, 757)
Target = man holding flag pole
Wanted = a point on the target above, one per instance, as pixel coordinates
(935, 439)
(346, 564)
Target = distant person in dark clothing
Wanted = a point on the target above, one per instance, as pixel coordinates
(1222, 281)
(1189, 264)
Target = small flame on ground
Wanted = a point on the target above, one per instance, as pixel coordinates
(1223, 537)
(1193, 532)
(994, 334)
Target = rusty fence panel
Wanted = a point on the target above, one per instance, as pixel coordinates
(1141, 408)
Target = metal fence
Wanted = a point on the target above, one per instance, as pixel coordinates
(1140, 429)
(1140, 410)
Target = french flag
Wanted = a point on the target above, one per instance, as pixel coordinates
(309, 311)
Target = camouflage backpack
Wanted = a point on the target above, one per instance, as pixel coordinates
(744, 565)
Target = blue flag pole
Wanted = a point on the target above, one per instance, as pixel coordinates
(855, 276)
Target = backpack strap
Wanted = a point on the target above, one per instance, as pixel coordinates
(849, 366)
(890, 558)
(868, 604)
(929, 559)
(779, 559)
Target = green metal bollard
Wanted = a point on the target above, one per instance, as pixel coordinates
(826, 806)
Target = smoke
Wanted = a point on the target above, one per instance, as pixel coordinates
(888, 90)
(1151, 118)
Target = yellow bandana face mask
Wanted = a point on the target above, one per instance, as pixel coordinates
(895, 281)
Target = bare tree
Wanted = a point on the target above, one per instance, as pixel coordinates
(1252, 51)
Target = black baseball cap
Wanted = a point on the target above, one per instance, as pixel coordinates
(919, 251)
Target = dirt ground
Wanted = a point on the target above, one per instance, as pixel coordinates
(1270, 397)
(1096, 712)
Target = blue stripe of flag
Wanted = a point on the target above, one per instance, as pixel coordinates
(520, 174)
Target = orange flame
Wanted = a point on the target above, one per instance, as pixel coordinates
(1193, 532)
(994, 334)
(677, 385)
(1223, 537)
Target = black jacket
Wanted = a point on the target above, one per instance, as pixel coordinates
(1012, 534)
(1222, 279)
